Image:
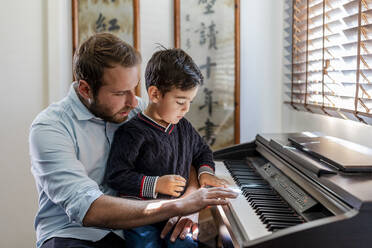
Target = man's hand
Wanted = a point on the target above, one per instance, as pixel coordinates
(206, 179)
(172, 185)
(202, 198)
(184, 226)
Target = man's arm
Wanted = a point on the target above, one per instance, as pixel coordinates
(113, 212)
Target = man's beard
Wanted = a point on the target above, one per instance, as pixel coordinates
(100, 111)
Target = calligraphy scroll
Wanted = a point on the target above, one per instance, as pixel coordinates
(207, 30)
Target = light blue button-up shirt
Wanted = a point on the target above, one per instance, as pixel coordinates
(69, 148)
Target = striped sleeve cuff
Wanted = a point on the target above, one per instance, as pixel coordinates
(148, 187)
(205, 168)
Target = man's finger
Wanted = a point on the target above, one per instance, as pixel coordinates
(221, 193)
(195, 231)
(177, 230)
(186, 229)
(171, 222)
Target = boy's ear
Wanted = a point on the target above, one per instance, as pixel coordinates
(154, 94)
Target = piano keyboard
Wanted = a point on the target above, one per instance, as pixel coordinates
(259, 209)
(273, 211)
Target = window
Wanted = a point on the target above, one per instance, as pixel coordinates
(331, 58)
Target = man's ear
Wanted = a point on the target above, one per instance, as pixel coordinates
(154, 94)
(84, 90)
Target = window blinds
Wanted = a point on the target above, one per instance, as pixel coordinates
(331, 58)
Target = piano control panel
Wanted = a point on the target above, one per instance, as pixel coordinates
(293, 194)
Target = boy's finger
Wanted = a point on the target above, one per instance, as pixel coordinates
(175, 194)
(179, 178)
(179, 183)
(178, 189)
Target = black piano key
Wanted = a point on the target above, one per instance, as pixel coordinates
(288, 224)
(294, 216)
(246, 177)
(275, 227)
(259, 191)
(263, 210)
(269, 203)
(262, 197)
(270, 220)
(253, 181)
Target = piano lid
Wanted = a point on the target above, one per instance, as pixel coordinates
(345, 155)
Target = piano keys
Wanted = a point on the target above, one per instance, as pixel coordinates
(290, 199)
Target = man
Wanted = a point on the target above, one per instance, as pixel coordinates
(69, 146)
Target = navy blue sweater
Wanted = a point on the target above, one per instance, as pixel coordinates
(142, 151)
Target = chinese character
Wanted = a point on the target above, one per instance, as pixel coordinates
(208, 101)
(209, 136)
(208, 6)
(201, 30)
(100, 25)
(113, 25)
(212, 36)
(187, 17)
(208, 66)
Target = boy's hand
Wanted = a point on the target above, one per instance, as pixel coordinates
(206, 179)
(170, 185)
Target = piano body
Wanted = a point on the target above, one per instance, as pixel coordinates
(291, 196)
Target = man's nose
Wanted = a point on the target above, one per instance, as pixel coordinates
(132, 100)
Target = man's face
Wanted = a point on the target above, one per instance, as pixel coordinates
(173, 106)
(116, 97)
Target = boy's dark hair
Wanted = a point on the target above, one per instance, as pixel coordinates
(172, 68)
(99, 51)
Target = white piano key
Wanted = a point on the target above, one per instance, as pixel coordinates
(244, 215)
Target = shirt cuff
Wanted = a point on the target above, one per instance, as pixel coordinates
(79, 209)
(205, 168)
(148, 187)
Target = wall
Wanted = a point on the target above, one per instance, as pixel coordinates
(23, 95)
(261, 62)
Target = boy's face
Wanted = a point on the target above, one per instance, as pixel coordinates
(173, 106)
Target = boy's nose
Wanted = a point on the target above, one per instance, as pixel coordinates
(186, 108)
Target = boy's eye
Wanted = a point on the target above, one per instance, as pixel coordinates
(180, 103)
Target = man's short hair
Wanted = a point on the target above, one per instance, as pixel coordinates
(172, 68)
(99, 51)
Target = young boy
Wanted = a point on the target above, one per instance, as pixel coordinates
(154, 154)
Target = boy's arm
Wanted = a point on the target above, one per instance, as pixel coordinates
(202, 154)
(193, 184)
(203, 161)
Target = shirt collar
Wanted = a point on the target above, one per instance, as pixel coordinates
(80, 110)
(153, 123)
